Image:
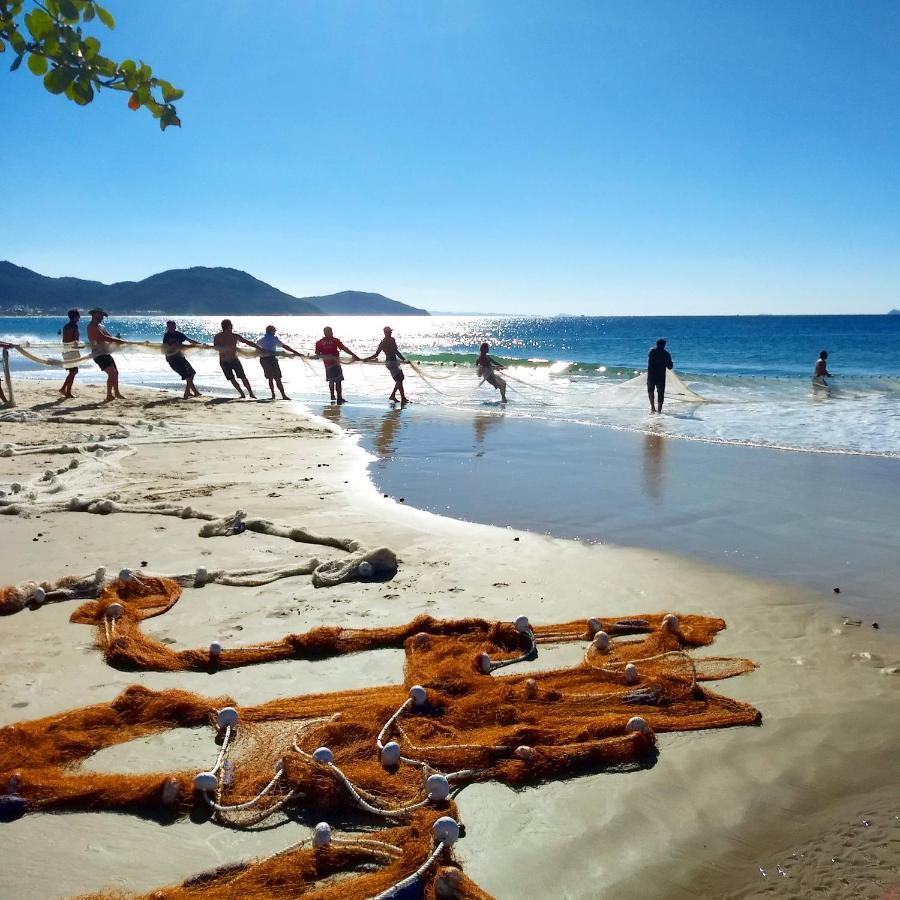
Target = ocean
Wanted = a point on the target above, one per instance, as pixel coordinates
(752, 371)
(764, 476)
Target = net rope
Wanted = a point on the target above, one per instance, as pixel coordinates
(394, 755)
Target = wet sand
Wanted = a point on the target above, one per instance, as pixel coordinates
(714, 808)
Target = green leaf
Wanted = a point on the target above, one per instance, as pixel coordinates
(52, 7)
(17, 42)
(90, 48)
(128, 66)
(51, 45)
(16, 63)
(104, 16)
(57, 80)
(68, 10)
(105, 66)
(38, 23)
(83, 93)
(88, 12)
(37, 64)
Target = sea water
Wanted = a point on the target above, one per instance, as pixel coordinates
(754, 372)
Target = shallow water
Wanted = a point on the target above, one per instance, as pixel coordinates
(754, 372)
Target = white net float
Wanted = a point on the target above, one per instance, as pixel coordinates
(593, 626)
(200, 576)
(636, 723)
(601, 641)
(39, 595)
(531, 689)
(438, 788)
(483, 663)
(215, 648)
(323, 755)
(321, 835)
(126, 575)
(670, 622)
(631, 673)
(524, 752)
(418, 695)
(100, 575)
(523, 626)
(365, 569)
(205, 781)
(115, 611)
(227, 717)
(390, 754)
(421, 641)
(445, 831)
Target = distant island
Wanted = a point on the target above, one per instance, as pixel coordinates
(894, 312)
(198, 291)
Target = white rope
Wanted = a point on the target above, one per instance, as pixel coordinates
(500, 663)
(410, 880)
(222, 807)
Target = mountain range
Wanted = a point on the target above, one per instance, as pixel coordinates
(177, 292)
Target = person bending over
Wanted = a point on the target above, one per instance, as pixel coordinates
(486, 369)
(392, 359)
(268, 343)
(328, 349)
(71, 334)
(226, 342)
(173, 340)
(658, 361)
(100, 341)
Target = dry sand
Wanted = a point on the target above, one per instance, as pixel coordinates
(717, 810)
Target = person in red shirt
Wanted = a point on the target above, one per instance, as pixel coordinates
(328, 350)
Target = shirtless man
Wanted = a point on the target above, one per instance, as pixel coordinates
(100, 339)
(226, 341)
(392, 359)
(820, 374)
(70, 335)
(328, 349)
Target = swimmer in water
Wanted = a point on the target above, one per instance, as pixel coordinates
(820, 374)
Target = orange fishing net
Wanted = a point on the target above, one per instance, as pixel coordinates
(391, 754)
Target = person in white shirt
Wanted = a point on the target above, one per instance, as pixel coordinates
(269, 343)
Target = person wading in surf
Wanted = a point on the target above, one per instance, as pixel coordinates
(486, 366)
(658, 361)
(820, 373)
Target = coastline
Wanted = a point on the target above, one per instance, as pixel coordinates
(710, 827)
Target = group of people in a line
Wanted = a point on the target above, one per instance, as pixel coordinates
(328, 348)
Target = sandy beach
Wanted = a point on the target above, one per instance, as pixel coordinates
(803, 805)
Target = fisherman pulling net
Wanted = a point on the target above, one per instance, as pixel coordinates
(393, 755)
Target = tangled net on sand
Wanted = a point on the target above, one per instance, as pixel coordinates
(393, 754)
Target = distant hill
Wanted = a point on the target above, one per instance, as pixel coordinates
(196, 291)
(894, 312)
(359, 303)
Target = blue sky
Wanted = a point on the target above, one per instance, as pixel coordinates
(530, 157)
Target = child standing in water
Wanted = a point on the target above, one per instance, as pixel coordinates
(486, 366)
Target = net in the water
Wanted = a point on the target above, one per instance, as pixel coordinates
(387, 760)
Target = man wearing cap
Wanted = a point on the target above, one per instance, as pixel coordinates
(328, 349)
(269, 343)
(100, 339)
(392, 359)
